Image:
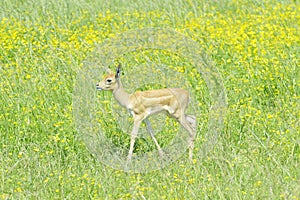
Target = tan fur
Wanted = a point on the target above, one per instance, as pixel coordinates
(141, 104)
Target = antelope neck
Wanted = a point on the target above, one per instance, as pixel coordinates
(121, 95)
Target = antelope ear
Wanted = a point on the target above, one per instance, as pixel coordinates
(118, 72)
(108, 71)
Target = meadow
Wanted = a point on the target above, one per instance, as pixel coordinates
(254, 45)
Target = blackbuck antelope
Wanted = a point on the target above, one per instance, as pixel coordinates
(173, 101)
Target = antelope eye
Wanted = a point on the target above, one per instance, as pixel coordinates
(108, 80)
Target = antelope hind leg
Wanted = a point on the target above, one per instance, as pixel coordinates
(191, 119)
(188, 122)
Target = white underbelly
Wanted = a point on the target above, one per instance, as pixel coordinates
(157, 109)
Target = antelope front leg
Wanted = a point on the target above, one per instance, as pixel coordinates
(133, 135)
(150, 130)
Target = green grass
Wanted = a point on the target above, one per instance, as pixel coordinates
(255, 47)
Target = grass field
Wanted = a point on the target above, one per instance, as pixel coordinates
(255, 46)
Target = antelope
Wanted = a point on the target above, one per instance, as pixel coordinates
(141, 104)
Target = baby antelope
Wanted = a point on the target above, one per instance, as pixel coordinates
(141, 104)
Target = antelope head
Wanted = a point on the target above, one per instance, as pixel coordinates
(110, 81)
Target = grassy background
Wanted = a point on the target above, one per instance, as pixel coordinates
(255, 46)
